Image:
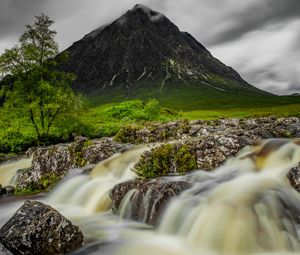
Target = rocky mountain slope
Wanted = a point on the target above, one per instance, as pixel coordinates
(143, 48)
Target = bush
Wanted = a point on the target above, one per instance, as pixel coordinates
(136, 110)
(128, 134)
(166, 159)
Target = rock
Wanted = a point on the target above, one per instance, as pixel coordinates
(37, 228)
(247, 129)
(80, 140)
(51, 164)
(213, 150)
(4, 251)
(294, 177)
(101, 149)
(30, 151)
(149, 199)
(48, 166)
(9, 190)
(8, 157)
(204, 153)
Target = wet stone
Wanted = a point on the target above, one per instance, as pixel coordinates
(294, 177)
(37, 228)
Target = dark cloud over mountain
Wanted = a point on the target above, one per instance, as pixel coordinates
(259, 38)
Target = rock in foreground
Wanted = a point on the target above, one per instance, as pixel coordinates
(37, 228)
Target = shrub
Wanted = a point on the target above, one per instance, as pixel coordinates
(166, 159)
(128, 134)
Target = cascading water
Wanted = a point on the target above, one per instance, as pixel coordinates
(8, 170)
(245, 207)
(90, 193)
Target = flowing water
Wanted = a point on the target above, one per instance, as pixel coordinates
(8, 170)
(245, 207)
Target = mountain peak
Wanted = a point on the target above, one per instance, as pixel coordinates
(140, 12)
(152, 15)
(143, 47)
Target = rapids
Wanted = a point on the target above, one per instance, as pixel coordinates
(246, 206)
(8, 170)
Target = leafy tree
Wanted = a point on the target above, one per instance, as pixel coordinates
(40, 89)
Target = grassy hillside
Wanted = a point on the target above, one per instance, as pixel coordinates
(216, 94)
(108, 111)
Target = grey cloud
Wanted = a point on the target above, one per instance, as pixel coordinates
(256, 16)
(257, 37)
(14, 14)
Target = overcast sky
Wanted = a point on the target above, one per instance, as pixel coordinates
(259, 38)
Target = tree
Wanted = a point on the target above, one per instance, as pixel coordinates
(40, 89)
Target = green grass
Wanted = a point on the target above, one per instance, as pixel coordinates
(108, 110)
(194, 97)
(17, 133)
(292, 110)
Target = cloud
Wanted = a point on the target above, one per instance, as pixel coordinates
(266, 57)
(256, 16)
(259, 38)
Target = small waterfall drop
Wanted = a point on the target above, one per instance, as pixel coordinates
(8, 170)
(245, 207)
(89, 194)
(250, 212)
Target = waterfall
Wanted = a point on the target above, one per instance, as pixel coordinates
(8, 170)
(89, 194)
(246, 206)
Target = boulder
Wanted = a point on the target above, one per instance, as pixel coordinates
(205, 153)
(37, 228)
(8, 190)
(101, 149)
(294, 177)
(148, 199)
(213, 150)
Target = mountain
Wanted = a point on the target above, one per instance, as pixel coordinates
(143, 54)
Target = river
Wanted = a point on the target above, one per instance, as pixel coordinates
(246, 206)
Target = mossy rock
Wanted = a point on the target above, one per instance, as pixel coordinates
(128, 134)
(44, 184)
(165, 160)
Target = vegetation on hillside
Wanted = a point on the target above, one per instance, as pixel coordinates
(41, 108)
(17, 134)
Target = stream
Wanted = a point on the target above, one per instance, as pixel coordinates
(247, 206)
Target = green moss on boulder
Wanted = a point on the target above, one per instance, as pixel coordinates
(129, 134)
(166, 159)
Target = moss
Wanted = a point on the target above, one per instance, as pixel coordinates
(79, 160)
(44, 184)
(166, 159)
(185, 159)
(49, 180)
(184, 126)
(6, 157)
(87, 144)
(76, 153)
(128, 134)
